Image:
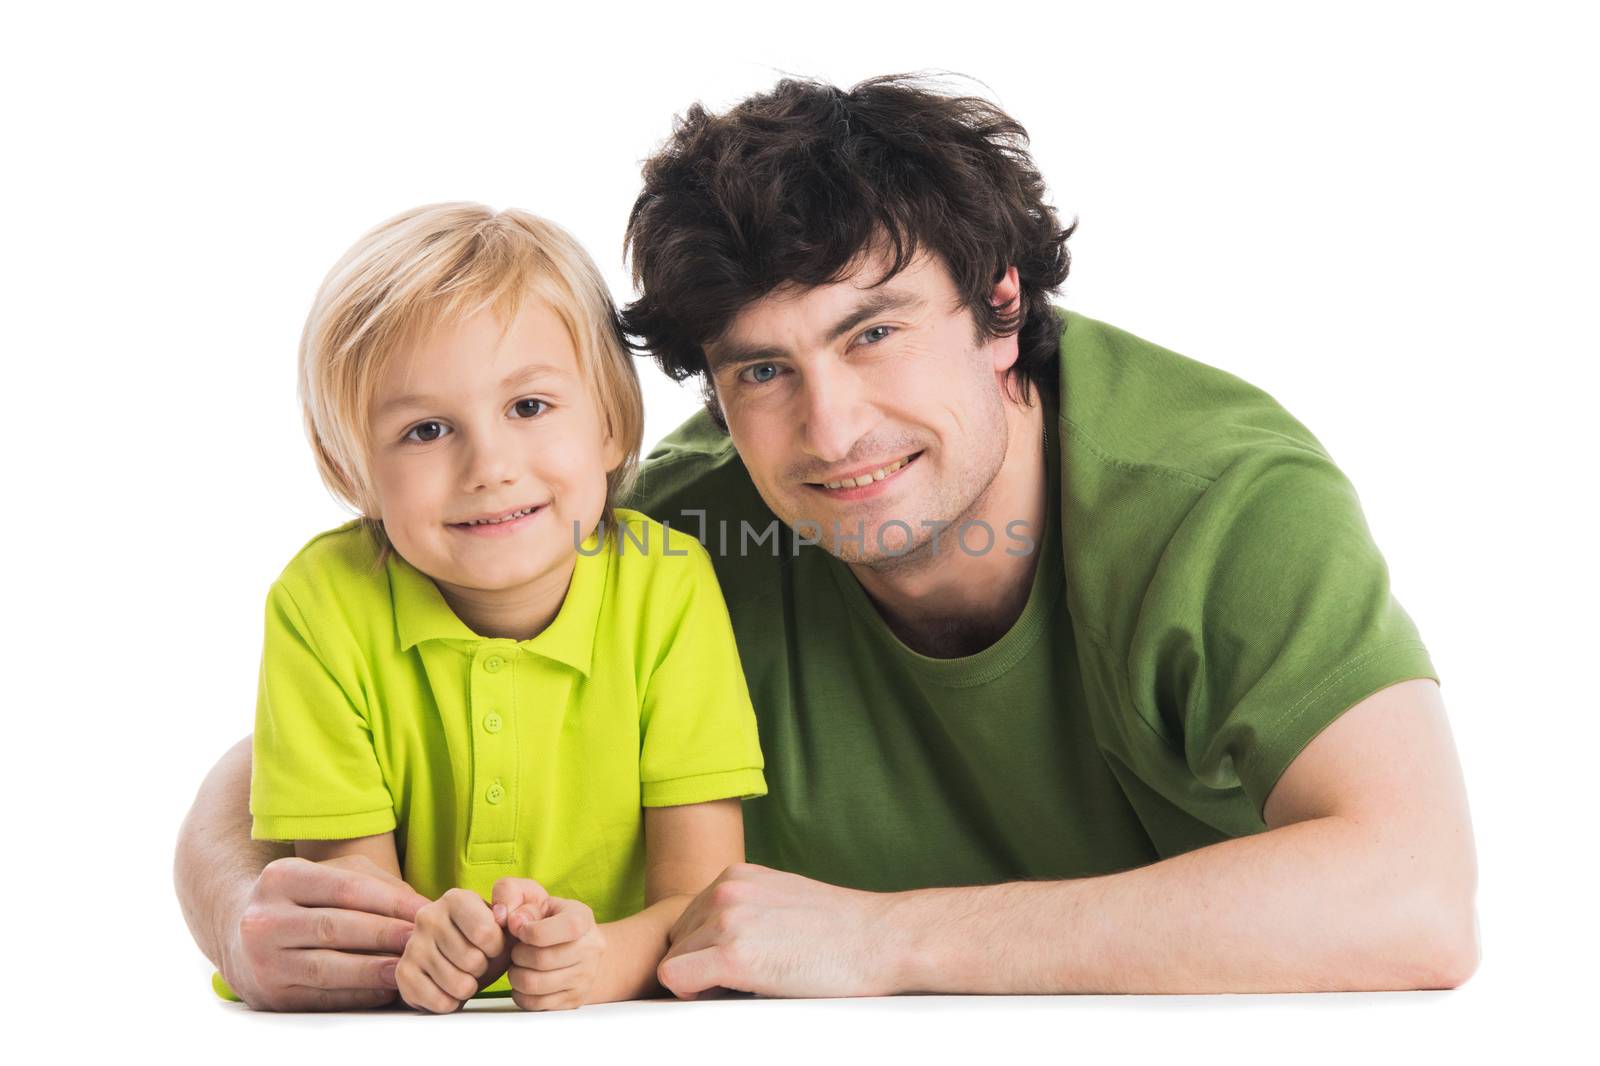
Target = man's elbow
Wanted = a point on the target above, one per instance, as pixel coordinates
(1457, 953)
(1441, 946)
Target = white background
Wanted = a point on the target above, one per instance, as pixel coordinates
(1385, 215)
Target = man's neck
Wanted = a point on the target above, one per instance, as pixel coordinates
(956, 603)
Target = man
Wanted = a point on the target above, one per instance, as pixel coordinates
(1075, 665)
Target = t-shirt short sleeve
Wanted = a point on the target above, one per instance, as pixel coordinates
(1269, 615)
(315, 774)
(699, 739)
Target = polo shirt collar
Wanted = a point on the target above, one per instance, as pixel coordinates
(421, 613)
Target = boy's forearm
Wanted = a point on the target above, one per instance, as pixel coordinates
(216, 862)
(634, 947)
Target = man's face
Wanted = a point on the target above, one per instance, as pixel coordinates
(864, 415)
(482, 420)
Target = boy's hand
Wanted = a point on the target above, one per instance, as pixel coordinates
(555, 957)
(458, 948)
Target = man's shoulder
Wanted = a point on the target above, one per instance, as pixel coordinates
(1136, 404)
(1219, 561)
(1152, 441)
(695, 481)
(695, 475)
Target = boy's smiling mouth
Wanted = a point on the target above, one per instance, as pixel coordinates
(498, 522)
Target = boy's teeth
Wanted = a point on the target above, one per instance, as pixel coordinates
(865, 479)
(497, 521)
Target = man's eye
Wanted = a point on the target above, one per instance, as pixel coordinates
(761, 373)
(426, 432)
(876, 334)
(530, 408)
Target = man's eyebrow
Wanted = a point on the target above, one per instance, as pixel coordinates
(516, 377)
(734, 354)
(725, 356)
(877, 303)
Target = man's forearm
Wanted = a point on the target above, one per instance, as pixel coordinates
(216, 861)
(1319, 905)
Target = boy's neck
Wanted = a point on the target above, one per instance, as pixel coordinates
(520, 613)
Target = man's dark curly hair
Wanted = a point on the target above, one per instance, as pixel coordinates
(790, 187)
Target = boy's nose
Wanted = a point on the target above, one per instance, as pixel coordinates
(488, 466)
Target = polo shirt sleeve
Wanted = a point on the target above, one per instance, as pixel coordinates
(698, 729)
(315, 774)
(1268, 617)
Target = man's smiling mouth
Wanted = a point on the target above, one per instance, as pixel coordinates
(869, 476)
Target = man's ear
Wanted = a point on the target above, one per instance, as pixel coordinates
(712, 402)
(1007, 292)
(1006, 298)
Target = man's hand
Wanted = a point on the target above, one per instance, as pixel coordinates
(320, 936)
(759, 930)
(457, 949)
(558, 950)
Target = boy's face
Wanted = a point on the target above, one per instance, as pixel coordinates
(484, 419)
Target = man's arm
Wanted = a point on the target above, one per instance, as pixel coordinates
(1364, 880)
(216, 860)
(286, 933)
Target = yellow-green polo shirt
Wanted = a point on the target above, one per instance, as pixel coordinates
(380, 710)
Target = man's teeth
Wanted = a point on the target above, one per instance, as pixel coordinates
(866, 479)
(508, 518)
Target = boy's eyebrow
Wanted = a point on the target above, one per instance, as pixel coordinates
(516, 377)
(876, 303)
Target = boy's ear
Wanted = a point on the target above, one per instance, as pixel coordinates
(611, 449)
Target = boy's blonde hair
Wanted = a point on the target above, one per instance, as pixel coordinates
(434, 265)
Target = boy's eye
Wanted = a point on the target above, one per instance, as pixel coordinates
(876, 334)
(426, 432)
(529, 408)
(761, 373)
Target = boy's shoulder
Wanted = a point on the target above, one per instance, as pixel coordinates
(339, 572)
(643, 549)
(657, 539)
(652, 568)
(345, 554)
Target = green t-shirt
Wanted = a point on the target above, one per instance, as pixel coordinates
(1208, 598)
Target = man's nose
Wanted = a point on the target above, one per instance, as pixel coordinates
(836, 413)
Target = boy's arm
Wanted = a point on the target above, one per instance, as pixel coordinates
(378, 849)
(686, 847)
